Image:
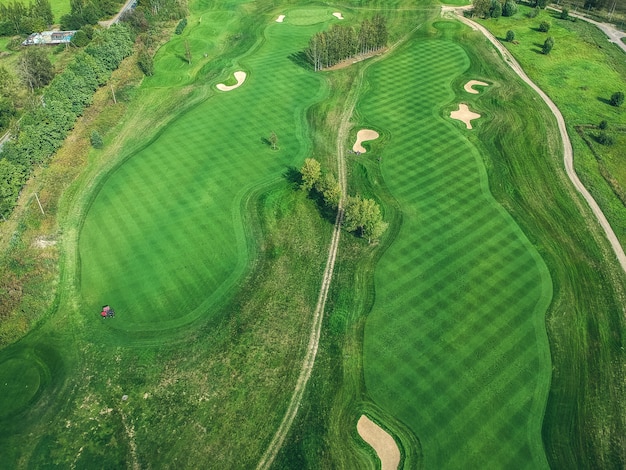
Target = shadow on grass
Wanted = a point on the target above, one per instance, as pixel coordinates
(604, 100)
(301, 60)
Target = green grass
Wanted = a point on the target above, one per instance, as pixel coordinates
(454, 346)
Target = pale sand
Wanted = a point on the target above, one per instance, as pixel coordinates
(468, 86)
(465, 115)
(338, 15)
(362, 136)
(280, 19)
(239, 76)
(381, 442)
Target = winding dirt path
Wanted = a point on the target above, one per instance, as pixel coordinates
(568, 153)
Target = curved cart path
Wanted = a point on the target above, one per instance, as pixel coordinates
(568, 154)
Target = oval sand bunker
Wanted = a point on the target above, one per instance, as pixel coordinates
(280, 18)
(239, 76)
(380, 440)
(469, 86)
(465, 115)
(362, 136)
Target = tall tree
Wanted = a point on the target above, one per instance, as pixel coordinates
(364, 217)
(34, 68)
(311, 172)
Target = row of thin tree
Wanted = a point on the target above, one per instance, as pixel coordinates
(330, 47)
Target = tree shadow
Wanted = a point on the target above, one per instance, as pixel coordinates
(266, 141)
(293, 176)
(300, 59)
(604, 100)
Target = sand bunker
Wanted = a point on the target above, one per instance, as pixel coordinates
(381, 442)
(362, 136)
(239, 76)
(280, 18)
(468, 86)
(465, 115)
(338, 15)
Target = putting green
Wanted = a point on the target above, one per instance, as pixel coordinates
(455, 346)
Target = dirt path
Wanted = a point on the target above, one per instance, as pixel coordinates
(568, 154)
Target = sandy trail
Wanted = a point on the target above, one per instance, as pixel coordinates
(381, 441)
(338, 15)
(568, 153)
(239, 76)
(465, 115)
(362, 136)
(280, 19)
(469, 86)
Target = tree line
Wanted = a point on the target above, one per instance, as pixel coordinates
(328, 48)
(43, 129)
(361, 216)
(18, 18)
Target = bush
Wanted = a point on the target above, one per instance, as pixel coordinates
(533, 13)
(181, 26)
(96, 140)
(548, 45)
(564, 14)
(496, 9)
(617, 98)
(145, 62)
(603, 125)
(605, 139)
(544, 26)
(510, 8)
(80, 38)
(510, 36)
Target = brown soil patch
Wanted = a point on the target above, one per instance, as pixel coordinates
(239, 76)
(381, 441)
(465, 115)
(362, 136)
(469, 86)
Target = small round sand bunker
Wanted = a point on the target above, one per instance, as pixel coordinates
(280, 19)
(362, 136)
(465, 115)
(338, 15)
(380, 440)
(239, 76)
(469, 86)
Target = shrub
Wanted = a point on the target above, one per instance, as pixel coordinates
(548, 45)
(605, 139)
(181, 26)
(544, 26)
(533, 13)
(96, 140)
(603, 125)
(617, 98)
(496, 9)
(510, 36)
(145, 62)
(564, 14)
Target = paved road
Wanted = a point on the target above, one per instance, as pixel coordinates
(568, 154)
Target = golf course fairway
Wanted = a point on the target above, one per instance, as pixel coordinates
(455, 345)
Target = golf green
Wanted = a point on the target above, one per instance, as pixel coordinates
(455, 346)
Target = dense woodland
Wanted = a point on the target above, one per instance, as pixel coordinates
(328, 48)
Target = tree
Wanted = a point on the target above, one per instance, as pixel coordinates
(509, 8)
(34, 68)
(145, 62)
(496, 9)
(181, 26)
(7, 112)
(12, 177)
(564, 14)
(510, 36)
(605, 139)
(96, 140)
(364, 217)
(544, 26)
(481, 8)
(311, 172)
(617, 99)
(273, 140)
(330, 190)
(548, 45)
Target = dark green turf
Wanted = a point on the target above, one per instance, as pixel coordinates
(455, 345)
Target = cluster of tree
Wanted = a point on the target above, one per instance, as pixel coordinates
(43, 129)
(324, 184)
(84, 12)
(328, 48)
(361, 216)
(17, 18)
(596, 4)
(494, 8)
